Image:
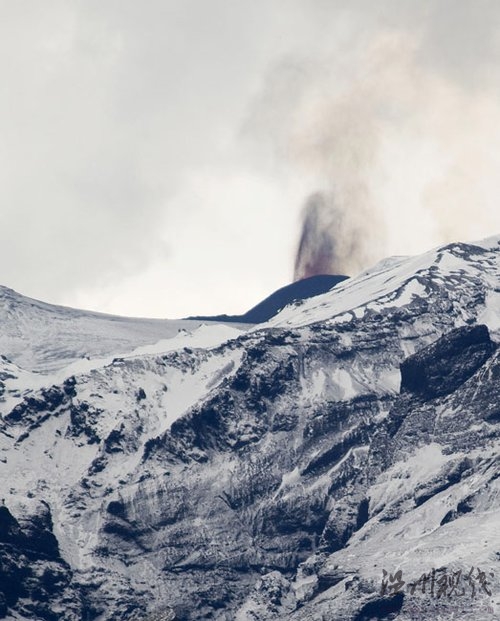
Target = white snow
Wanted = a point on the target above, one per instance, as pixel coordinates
(391, 282)
(405, 476)
(491, 314)
(416, 542)
(43, 337)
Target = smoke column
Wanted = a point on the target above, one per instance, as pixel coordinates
(316, 251)
(326, 244)
(404, 151)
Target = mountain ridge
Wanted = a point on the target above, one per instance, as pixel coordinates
(284, 296)
(276, 473)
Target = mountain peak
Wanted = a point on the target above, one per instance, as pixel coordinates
(294, 292)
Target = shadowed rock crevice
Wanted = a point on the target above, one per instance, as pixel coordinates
(32, 569)
(445, 365)
(383, 609)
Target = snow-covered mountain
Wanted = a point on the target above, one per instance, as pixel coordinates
(42, 337)
(285, 472)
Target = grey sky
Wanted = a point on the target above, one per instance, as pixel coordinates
(155, 156)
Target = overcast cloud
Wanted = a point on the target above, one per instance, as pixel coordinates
(155, 156)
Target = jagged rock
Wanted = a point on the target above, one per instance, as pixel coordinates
(33, 576)
(384, 608)
(442, 367)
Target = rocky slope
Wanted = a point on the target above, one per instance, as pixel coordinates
(288, 472)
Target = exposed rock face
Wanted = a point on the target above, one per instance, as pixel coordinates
(277, 475)
(34, 579)
(442, 367)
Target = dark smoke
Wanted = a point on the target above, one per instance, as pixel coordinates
(316, 251)
(326, 245)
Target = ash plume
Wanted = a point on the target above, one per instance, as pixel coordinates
(404, 150)
(339, 222)
(326, 244)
